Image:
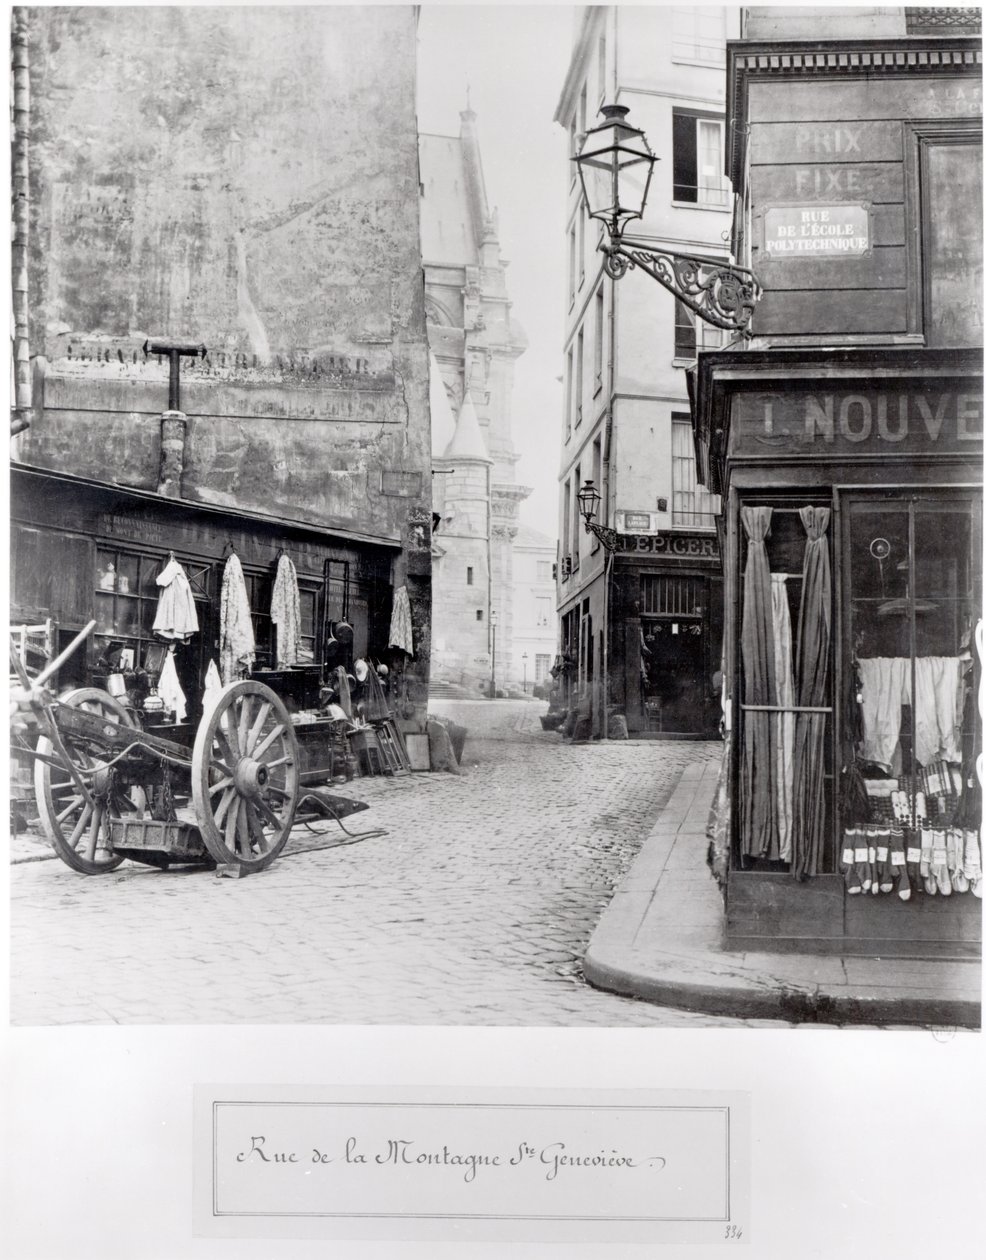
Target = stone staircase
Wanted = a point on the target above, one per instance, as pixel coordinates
(443, 691)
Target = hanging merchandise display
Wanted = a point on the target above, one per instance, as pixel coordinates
(285, 612)
(400, 622)
(213, 682)
(237, 646)
(175, 617)
(169, 688)
(760, 833)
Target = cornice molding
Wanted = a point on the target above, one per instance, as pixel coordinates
(834, 59)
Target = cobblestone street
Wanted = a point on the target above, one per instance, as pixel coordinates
(475, 908)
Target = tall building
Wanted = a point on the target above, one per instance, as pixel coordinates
(846, 441)
(644, 623)
(243, 179)
(535, 627)
(475, 341)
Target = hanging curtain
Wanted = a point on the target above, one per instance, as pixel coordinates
(237, 646)
(400, 622)
(758, 796)
(814, 630)
(285, 613)
(784, 722)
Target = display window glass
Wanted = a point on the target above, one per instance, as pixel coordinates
(912, 587)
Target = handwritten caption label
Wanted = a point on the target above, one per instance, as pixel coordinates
(660, 1165)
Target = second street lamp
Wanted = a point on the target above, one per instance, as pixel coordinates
(615, 164)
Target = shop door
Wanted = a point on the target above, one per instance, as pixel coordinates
(675, 674)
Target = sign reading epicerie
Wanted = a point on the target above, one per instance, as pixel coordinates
(817, 231)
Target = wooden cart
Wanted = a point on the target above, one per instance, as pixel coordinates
(108, 790)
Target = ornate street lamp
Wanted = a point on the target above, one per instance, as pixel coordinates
(493, 620)
(615, 164)
(589, 501)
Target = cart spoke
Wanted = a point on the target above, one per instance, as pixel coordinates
(231, 819)
(227, 728)
(256, 829)
(70, 808)
(223, 807)
(228, 758)
(262, 747)
(243, 829)
(223, 783)
(257, 726)
(94, 827)
(243, 725)
(286, 760)
(269, 814)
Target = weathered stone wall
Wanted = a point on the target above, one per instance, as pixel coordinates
(245, 178)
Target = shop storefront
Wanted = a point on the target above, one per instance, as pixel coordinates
(851, 485)
(668, 643)
(84, 551)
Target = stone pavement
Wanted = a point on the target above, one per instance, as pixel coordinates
(475, 908)
(660, 939)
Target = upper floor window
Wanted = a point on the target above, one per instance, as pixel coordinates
(692, 506)
(599, 328)
(469, 575)
(579, 364)
(951, 176)
(543, 608)
(698, 33)
(698, 161)
(692, 333)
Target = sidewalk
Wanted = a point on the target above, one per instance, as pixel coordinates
(660, 940)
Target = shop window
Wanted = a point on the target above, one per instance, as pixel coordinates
(913, 591)
(126, 596)
(698, 34)
(669, 596)
(692, 506)
(698, 160)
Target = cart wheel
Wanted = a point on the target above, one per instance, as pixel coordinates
(79, 829)
(245, 775)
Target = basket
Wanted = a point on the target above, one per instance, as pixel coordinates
(179, 839)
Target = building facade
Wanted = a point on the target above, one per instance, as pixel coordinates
(535, 627)
(845, 439)
(231, 179)
(643, 623)
(475, 341)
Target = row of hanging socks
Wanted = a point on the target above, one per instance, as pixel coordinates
(934, 860)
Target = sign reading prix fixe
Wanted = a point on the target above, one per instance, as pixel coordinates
(836, 231)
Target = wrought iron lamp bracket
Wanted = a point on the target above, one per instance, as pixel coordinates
(719, 293)
(605, 535)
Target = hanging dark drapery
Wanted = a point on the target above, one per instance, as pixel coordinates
(759, 836)
(814, 629)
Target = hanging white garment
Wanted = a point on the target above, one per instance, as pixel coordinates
(784, 674)
(175, 617)
(169, 688)
(237, 646)
(886, 685)
(285, 613)
(213, 683)
(938, 708)
(400, 622)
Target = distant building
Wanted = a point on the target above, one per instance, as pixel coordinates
(535, 627)
(475, 342)
(654, 626)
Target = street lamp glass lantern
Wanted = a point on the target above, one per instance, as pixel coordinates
(589, 501)
(615, 165)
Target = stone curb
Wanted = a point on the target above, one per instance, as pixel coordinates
(660, 940)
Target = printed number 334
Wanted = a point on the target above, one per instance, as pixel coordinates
(734, 1231)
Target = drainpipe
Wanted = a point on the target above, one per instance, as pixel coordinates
(20, 210)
